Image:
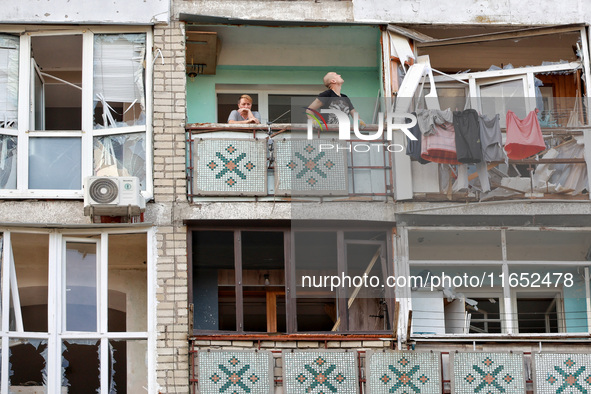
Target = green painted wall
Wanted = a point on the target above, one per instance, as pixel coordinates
(201, 93)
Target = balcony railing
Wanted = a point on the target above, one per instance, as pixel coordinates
(277, 162)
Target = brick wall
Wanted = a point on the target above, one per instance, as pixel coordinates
(170, 191)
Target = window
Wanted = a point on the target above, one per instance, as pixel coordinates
(85, 112)
(499, 95)
(505, 281)
(255, 280)
(77, 311)
(273, 102)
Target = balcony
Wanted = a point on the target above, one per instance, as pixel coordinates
(278, 163)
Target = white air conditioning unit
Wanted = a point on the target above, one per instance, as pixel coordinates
(113, 196)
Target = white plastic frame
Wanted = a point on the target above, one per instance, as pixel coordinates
(56, 335)
(87, 133)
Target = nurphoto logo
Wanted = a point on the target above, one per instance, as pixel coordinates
(392, 119)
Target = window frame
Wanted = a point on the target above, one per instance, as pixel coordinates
(290, 274)
(263, 93)
(507, 295)
(87, 132)
(57, 333)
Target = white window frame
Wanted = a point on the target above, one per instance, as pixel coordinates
(263, 93)
(56, 303)
(87, 132)
(507, 294)
(557, 293)
(528, 94)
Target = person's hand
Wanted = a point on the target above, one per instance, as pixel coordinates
(362, 124)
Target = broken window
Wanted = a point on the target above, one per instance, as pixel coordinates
(119, 97)
(99, 327)
(121, 155)
(90, 101)
(483, 281)
(241, 281)
(443, 302)
(28, 365)
(502, 70)
(8, 156)
(499, 95)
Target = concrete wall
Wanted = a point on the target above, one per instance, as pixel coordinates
(92, 11)
(477, 12)
(327, 11)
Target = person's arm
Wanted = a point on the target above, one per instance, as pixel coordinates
(251, 118)
(361, 122)
(316, 105)
(257, 116)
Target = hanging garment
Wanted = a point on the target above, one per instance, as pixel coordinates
(441, 146)
(428, 118)
(413, 148)
(467, 131)
(491, 138)
(524, 137)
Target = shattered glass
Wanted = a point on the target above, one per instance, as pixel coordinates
(121, 155)
(127, 363)
(8, 145)
(28, 364)
(119, 74)
(81, 366)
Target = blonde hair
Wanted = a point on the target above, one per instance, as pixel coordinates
(246, 97)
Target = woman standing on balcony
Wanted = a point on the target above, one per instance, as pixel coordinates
(244, 114)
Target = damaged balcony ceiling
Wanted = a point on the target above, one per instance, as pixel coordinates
(503, 45)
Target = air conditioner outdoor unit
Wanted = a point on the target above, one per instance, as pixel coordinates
(113, 196)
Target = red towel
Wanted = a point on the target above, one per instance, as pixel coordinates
(524, 137)
(441, 146)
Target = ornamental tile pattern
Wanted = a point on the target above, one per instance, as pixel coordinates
(309, 167)
(235, 372)
(320, 372)
(557, 373)
(230, 167)
(403, 372)
(488, 373)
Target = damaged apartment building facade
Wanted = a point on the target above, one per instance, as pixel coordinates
(271, 210)
(213, 284)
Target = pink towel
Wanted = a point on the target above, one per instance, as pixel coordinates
(524, 137)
